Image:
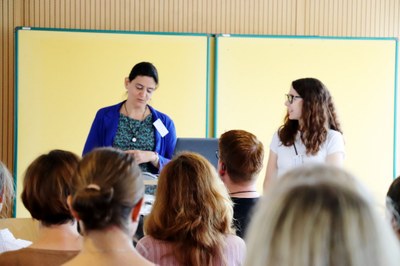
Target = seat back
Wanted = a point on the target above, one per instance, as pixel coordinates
(204, 146)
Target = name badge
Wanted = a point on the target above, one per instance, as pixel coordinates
(158, 124)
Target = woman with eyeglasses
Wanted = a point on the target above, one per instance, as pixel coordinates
(310, 133)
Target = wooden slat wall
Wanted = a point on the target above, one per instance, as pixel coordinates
(365, 18)
(206, 16)
(9, 16)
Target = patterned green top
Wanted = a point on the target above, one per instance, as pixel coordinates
(133, 134)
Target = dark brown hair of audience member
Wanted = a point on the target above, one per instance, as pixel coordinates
(318, 115)
(47, 184)
(393, 204)
(192, 210)
(109, 184)
(242, 154)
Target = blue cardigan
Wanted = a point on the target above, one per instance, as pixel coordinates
(105, 126)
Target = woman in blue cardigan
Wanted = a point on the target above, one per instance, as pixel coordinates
(134, 126)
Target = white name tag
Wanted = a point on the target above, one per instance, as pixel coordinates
(158, 124)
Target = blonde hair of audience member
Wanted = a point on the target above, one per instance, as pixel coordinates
(7, 192)
(319, 215)
(192, 210)
(7, 241)
(106, 200)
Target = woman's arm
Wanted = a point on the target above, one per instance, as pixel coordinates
(335, 149)
(271, 171)
(336, 159)
(94, 138)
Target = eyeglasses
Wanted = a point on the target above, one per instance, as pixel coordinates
(290, 98)
(217, 154)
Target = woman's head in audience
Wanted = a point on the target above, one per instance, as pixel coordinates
(319, 215)
(109, 190)
(7, 192)
(393, 204)
(47, 183)
(192, 209)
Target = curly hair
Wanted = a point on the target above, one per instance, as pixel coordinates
(108, 186)
(318, 115)
(192, 210)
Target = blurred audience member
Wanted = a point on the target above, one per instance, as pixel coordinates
(319, 215)
(7, 240)
(393, 205)
(47, 184)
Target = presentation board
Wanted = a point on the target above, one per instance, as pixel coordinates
(64, 76)
(253, 74)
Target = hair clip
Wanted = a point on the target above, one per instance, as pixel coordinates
(93, 186)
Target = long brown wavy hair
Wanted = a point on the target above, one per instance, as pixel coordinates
(192, 210)
(318, 115)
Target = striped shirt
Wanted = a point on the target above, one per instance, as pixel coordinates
(161, 252)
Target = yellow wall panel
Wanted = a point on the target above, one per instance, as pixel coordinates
(361, 18)
(255, 73)
(64, 77)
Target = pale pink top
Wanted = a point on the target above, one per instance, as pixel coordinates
(161, 252)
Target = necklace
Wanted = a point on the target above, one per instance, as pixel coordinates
(240, 192)
(110, 250)
(137, 130)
